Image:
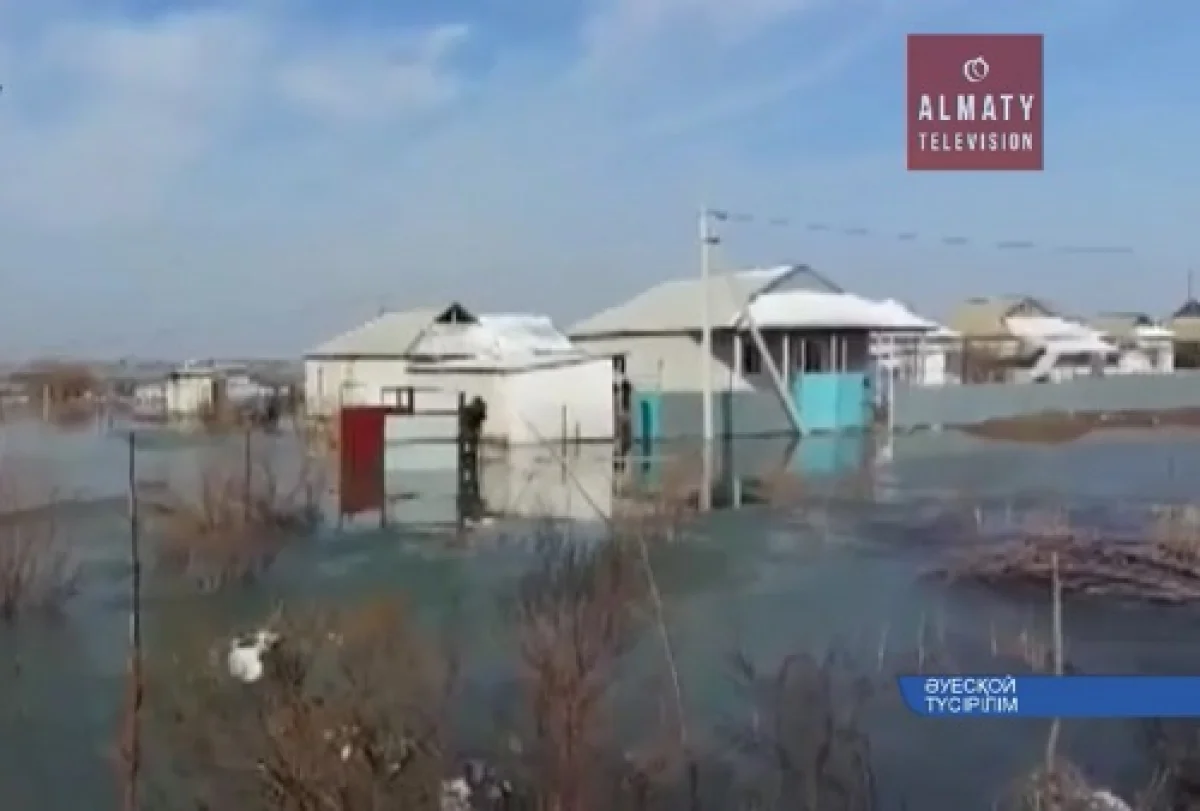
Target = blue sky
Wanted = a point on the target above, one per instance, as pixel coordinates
(194, 178)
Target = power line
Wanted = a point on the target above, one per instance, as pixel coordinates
(950, 241)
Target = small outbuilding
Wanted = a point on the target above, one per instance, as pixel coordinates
(537, 386)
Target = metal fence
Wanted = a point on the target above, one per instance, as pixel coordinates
(916, 406)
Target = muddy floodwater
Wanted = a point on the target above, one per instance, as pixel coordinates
(836, 568)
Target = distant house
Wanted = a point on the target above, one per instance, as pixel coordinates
(1185, 324)
(922, 359)
(790, 352)
(198, 388)
(985, 319)
(1145, 345)
(1021, 337)
(536, 385)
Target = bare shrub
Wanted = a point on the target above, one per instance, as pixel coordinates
(60, 381)
(38, 570)
(805, 745)
(1159, 566)
(238, 520)
(577, 614)
(1175, 529)
(349, 714)
(660, 513)
(1175, 746)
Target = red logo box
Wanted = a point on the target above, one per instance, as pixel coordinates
(975, 102)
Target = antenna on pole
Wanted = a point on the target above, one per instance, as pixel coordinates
(1189, 285)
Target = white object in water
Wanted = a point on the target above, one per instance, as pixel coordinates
(1105, 800)
(456, 795)
(245, 659)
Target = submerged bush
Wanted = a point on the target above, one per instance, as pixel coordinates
(236, 521)
(38, 570)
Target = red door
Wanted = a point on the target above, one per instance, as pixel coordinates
(360, 479)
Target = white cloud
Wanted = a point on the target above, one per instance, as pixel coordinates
(102, 120)
(376, 80)
(620, 24)
(177, 157)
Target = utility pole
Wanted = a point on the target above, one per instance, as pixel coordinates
(707, 240)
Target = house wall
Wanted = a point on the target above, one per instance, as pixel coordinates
(150, 395)
(331, 382)
(926, 406)
(662, 362)
(439, 388)
(665, 371)
(541, 405)
(188, 395)
(735, 413)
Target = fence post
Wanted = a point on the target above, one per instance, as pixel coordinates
(133, 712)
(247, 472)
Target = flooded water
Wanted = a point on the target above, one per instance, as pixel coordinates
(838, 569)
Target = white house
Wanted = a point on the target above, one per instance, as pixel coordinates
(1060, 349)
(1145, 347)
(198, 387)
(1033, 341)
(150, 398)
(918, 358)
(790, 352)
(193, 388)
(538, 386)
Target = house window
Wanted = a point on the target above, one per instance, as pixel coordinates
(751, 358)
(618, 362)
(400, 399)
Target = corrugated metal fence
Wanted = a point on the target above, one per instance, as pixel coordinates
(923, 406)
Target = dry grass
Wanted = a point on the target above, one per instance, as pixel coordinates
(1049, 428)
(38, 570)
(779, 486)
(1062, 427)
(350, 715)
(240, 517)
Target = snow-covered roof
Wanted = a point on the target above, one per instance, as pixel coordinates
(529, 334)
(502, 341)
(812, 309)
(1063, 335)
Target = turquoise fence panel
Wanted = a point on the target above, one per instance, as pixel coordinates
(647, 416)
(816, 397)
(854, 398)
(830, 401)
